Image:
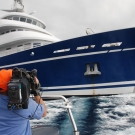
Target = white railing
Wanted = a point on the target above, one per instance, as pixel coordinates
(67, 106)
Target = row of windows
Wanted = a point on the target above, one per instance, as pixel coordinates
(27, 46)
(13, 30)
(20, 48)
(89, 47)
(27, 20)
(23, 47)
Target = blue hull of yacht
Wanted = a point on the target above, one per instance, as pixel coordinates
(63, 73)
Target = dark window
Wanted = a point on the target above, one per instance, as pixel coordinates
(41, 25)
(13, 30)
(7, 31)
(20, 29)
(27, 44)
(8, 48)
(34, 22)
(38, 24)
(19, 45)
(10, 18)
(16, 18)
(36, 43)
(29, 20)
(23, 19)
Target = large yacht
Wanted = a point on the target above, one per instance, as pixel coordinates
(97, 64)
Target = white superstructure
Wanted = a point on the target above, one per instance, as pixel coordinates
(20, 31)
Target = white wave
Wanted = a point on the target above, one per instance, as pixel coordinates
(114, 115)
(124, 95)
(54, 109)
(129, 131)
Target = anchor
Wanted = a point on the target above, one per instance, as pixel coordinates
(93, 71)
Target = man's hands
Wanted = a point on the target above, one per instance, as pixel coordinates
(38, 98)
(36, 80)
(36, 92)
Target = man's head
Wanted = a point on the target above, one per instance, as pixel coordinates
(5, 76)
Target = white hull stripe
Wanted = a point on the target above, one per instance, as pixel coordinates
(91, 92)
(127, 49)
(64, 57)
(117, 50)
(55, 58)
(91, 85)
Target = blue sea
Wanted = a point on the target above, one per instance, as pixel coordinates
(104, 115)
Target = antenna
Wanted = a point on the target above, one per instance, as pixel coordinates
(89, 31)
(32, 13)
(17, 7)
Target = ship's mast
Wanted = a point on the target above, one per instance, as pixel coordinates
(18, 6)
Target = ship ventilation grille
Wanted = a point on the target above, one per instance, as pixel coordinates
(62, 50)
(112, 44)
(85, 47)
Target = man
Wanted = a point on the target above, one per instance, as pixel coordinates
(16, 122)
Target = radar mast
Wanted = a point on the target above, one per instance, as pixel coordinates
(17, 6)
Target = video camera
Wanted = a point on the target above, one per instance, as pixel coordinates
(20, 86)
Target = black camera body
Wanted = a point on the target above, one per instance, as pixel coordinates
(19, 87)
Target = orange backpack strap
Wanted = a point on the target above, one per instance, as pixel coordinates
(5, 76)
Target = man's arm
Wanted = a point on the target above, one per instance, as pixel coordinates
(39, 100)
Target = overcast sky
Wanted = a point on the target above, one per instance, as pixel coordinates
(70, 18)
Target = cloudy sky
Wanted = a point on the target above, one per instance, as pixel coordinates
(70, 18)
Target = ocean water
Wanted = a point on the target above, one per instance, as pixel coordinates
(105, 115)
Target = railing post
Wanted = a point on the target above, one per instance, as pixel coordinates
(67, 106)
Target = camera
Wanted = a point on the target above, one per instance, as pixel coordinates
(20, 87)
